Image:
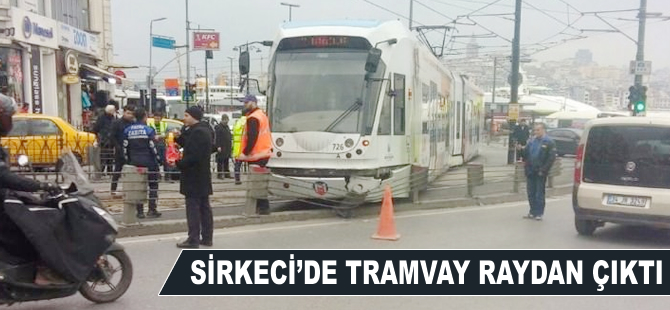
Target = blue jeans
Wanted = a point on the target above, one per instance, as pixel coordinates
(536, 186)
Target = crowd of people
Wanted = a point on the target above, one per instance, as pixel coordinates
(133, 141)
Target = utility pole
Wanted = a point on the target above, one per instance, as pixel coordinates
(493, 97)
(514, 83)
(411, 13)
(188, 58)
(207, 57)
(640, 51)
(290, 9)
(230, 83)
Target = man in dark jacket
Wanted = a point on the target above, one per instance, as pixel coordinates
(539, 155)
(224, 141)
(103, 129)
(140, 151)
(118, 128)
(196, 178)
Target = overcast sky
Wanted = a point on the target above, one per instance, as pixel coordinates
(240, 21)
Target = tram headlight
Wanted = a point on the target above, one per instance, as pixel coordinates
(279, 142)
(366, 142)
(349, 142)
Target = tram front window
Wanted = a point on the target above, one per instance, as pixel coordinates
(313, 89)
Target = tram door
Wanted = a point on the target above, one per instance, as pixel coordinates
(457, 128)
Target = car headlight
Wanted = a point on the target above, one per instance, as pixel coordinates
(349, 142)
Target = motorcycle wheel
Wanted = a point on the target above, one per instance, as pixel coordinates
(125, 266)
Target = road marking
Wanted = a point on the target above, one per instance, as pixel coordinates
(256, 229)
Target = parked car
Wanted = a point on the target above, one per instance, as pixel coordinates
(566, 139)
(42, 138)
(622, 173)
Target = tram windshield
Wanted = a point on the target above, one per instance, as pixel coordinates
(314, 89)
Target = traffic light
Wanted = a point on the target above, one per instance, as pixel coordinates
(152, 100)
(641, 100)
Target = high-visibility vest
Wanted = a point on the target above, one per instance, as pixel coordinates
(160, 129)
(263, 147)
(238, 131)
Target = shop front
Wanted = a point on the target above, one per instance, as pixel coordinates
(32, 63)
(82, 86)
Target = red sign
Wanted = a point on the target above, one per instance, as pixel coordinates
(206, 41)
(120, 73)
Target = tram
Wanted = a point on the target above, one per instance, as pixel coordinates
(356, 105)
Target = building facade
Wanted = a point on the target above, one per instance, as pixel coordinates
(54, 56)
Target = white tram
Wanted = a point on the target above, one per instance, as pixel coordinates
(340, 127)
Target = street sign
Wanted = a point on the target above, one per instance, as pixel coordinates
(640, 67)
(206, 41)
(187, 96)
(513, 111)
(162, 42)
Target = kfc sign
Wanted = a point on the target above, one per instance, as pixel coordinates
(204, 41)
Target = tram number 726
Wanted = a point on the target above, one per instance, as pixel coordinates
(338, 147)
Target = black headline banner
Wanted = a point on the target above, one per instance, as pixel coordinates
(419, 272)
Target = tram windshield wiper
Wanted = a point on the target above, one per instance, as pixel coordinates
(355, 106)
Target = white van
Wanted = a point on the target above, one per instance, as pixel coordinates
(622, 173)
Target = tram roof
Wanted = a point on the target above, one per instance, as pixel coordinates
(333, 23)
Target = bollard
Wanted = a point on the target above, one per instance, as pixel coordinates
(134, 181)
(94, 159)
(475, 176)
(257, 188)
(519, 176)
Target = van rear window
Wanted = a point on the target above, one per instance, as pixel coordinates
(628, 155)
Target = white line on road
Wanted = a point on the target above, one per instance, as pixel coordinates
(413, 214)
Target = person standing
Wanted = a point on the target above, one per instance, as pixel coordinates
(256, 146)
(238, 131)
(118, 131)
(161, 133)
(224, 140)
(539, 155)
(140, 151)
(196, 178)
(103, 129)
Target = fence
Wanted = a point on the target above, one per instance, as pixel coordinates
(471, 180)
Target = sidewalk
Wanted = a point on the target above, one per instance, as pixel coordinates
(449, 190)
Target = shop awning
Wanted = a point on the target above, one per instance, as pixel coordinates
(98, 73)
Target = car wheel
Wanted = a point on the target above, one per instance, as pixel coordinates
(585, 227)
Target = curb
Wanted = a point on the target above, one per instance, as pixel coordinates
(176, 226)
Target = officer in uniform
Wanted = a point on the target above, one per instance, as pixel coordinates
(140, 151)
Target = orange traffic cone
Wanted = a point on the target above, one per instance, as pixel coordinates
(386, 229)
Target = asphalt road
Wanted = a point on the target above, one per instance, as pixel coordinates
(489, 227)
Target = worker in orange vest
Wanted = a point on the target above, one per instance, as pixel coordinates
(256, 146)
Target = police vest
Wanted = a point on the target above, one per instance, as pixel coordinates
(263, 147)
(238, 131)
(160, 129)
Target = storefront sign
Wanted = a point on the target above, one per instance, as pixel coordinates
(71, 63)
(77, 39)
(36, 79)
(70, 79)
(34, 29)
(206, 41)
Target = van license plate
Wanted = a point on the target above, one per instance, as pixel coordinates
(627, 201)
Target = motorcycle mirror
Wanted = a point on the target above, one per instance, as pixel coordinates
(23, 160)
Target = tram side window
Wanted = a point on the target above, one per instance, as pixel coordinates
(385, 121)
(399, 105)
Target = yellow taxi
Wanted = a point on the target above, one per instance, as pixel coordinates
(42, 138)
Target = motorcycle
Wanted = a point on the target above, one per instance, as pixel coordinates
(75, 237)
